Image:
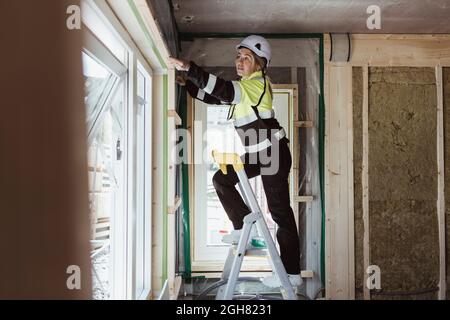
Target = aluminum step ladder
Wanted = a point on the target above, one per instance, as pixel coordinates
(237, 253)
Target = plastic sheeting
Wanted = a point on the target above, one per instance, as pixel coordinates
(294, 60)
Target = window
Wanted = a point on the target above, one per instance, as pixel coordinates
(210, 220)
(98, 83)
(105, 110)
(118, 116)
(106, 169)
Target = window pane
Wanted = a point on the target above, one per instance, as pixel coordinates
(98, 82)
(221, 136)
(105, 170)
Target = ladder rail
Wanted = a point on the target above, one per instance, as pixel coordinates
(256, 218)
(237, 261)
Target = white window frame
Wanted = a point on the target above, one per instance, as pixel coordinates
(126, 265)
(98, 51)
(147, 206)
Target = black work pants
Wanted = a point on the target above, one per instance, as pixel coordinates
(276, 188)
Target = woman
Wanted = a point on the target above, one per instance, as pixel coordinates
(265, 142)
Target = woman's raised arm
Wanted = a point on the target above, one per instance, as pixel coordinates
(228, 92)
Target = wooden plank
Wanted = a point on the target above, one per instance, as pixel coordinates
(365, 36)
(100, 225)
(157, 179)
(350, 180)
(327, 182)
(339, 242)
(171, 184)
(441, 184)
(307, 274)
(171, 247)
(285, 86)
(174, 114)
(303, 124)
(174, 208)
(177, 287)
(295, 118)
(303, 198)
(295, 149)
(103, 235)
(365, 178)
(397, 50)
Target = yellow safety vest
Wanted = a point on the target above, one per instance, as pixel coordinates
(246, 119)
(251, 88)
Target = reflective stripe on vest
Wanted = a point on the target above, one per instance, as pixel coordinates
(237, 92)
(212, 79)
(280, 134)
(201, 94)
(265, 114)
(258, 147)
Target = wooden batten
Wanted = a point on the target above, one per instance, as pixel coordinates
(173, 114)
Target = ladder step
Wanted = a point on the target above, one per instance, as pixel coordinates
(253, 252)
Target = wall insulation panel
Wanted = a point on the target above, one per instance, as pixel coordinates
(403, 226)
(357, 175)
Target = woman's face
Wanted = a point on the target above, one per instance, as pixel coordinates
(245, 62)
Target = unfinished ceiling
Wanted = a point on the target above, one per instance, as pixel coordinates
(310, 16)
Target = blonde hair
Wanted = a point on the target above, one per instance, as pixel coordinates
(262, 63)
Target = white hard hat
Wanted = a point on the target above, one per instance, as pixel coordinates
(258, 45)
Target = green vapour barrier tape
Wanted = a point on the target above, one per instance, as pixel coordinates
(165, 173)
(149, 38)
(185, 189)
